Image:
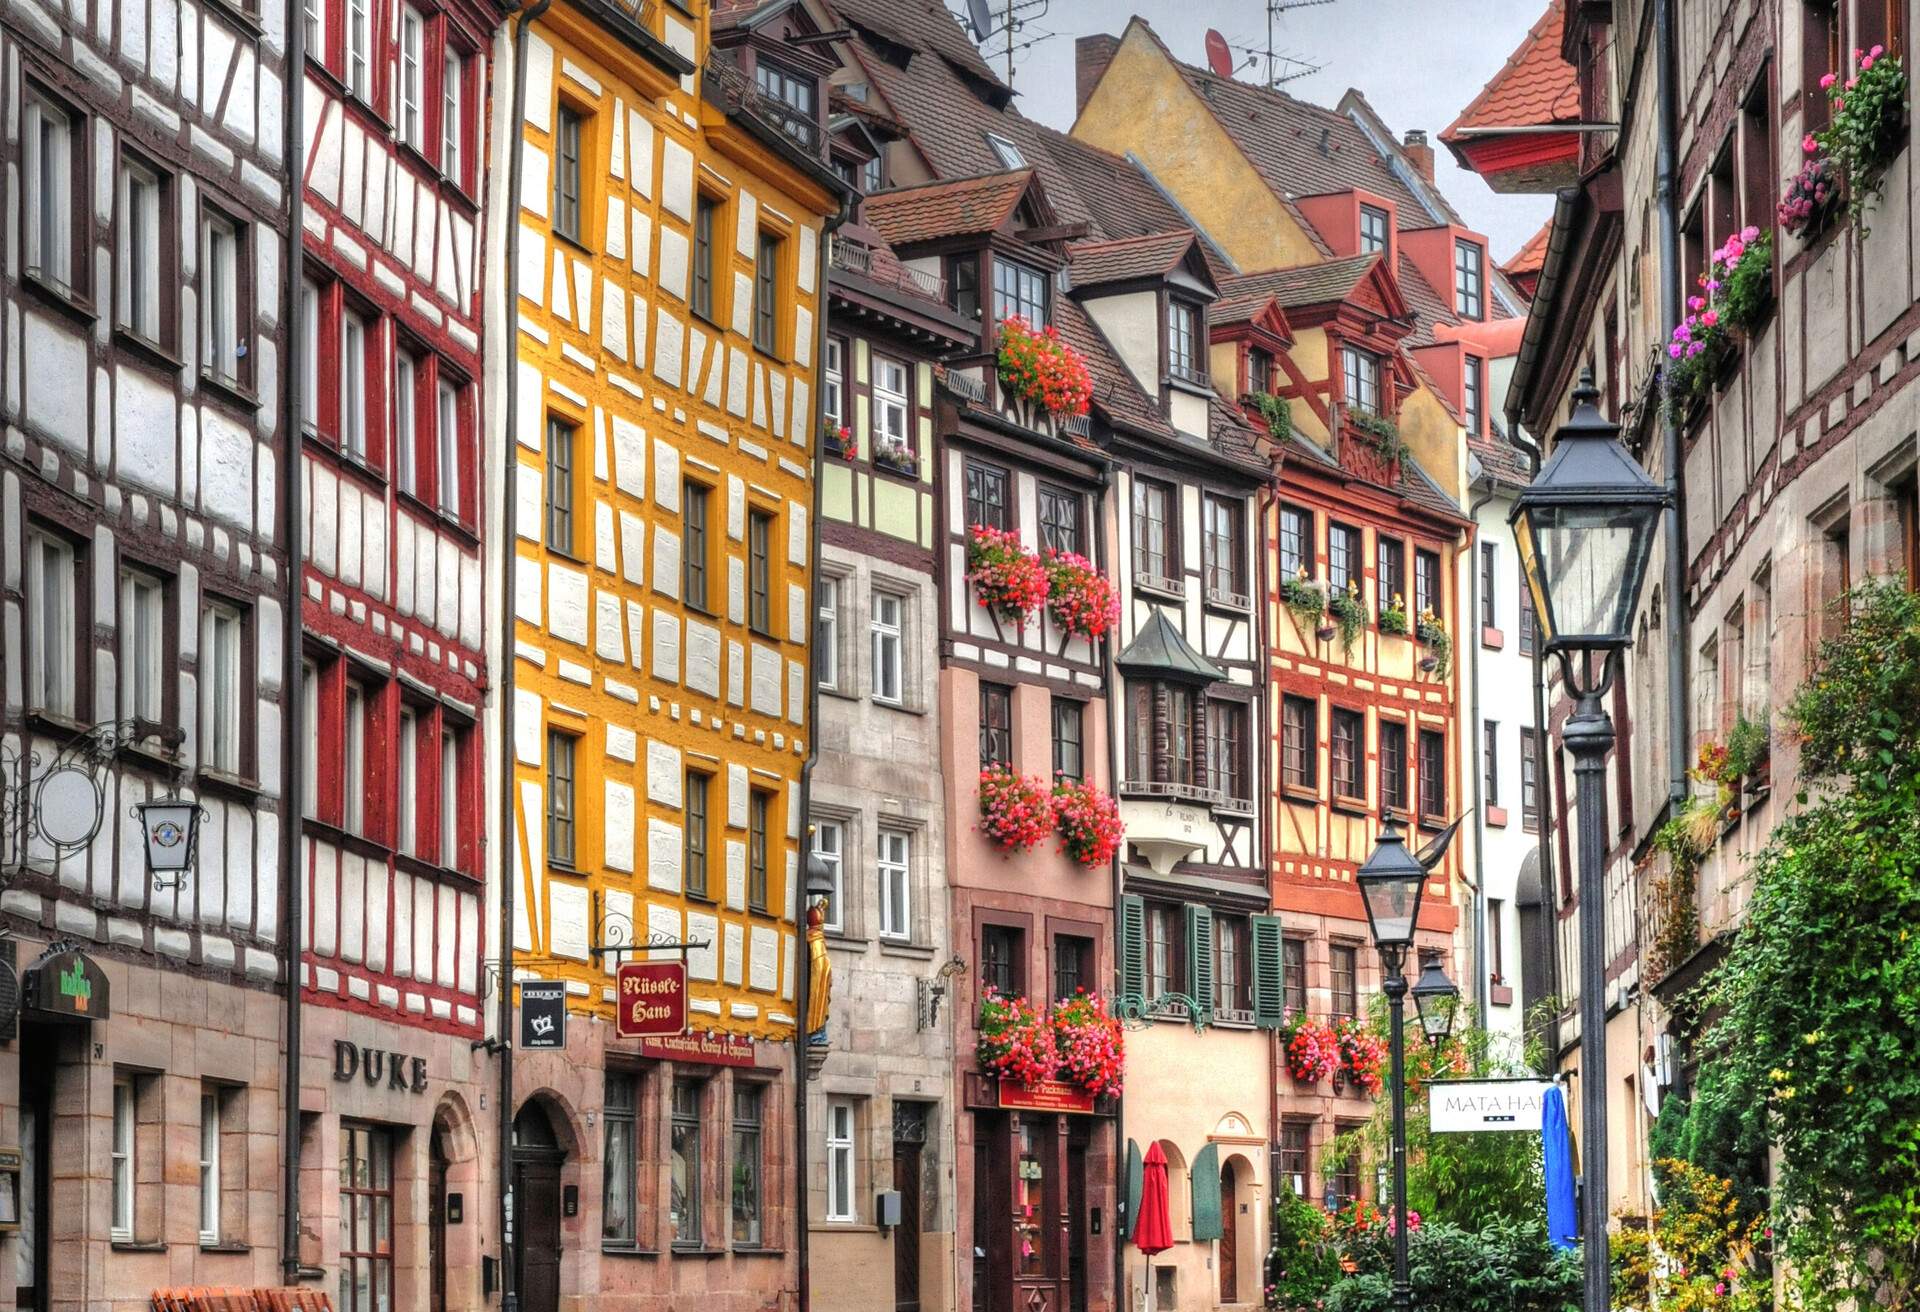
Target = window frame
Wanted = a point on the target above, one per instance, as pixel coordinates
(379, 1254)
(562, 818)
(893, 864)
(1489, 577)
(232, 301)
(996, 724)
(1390, 573)
(1025, 292)
(994, 936)
(888, 647)
(891, 404)
(562, 490)
(620, 1117)
(1393, 767)
(747, 1173)
(1490, 763)
(569, 189)
(833, 383)
(1469, 279)
(1233, 987)
(842, 1162)
(1369, 242)
(1473, 393)
(1186, 341)
(684, 1120)
(695, 501)
(1346, 555)
(759, 828)
(143, 637)
(223, 710)
(830, 845)
(695, 847)
(1529, 779)
(71, 202)
(1432, 782)
(55, 679)
(766, 292)
(700, 293)
(1059, 511)
(760, 581)
(826, 631)
(987, 502)
(209, 1165)
(1299, 760)
(1067, 718)
(144, 252)
(1227, 742)
(1223, 529)
(123, 1215)
(1343, 981)
(1361, 380)
(1347, 771)
(1146, 526)
(1296, 539)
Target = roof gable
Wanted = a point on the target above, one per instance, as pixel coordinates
(959, 207)
(1151, 256)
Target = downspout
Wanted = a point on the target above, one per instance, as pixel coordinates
(1265, 501)
(1118, 880)
(1482, 981)
(294, 701)
(803, 961)
(1676, 576)
(509, 843)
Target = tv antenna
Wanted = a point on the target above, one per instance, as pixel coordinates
(1008, 19)
(1282, 67)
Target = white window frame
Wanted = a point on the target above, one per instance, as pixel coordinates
(842, 1165)
(313, 13)
(221, 269)
(1008, 153)
(358, 61)
(893, 856)
(447, 432)
(449, 792)
(209, 1165)
(406, 414)
(142, 646)
(310, 355)
(406, 810)
(410, 115)
(826, 631)
(52, 627)
(892, 406)
(830, 844)
(1368, 374)
(137, 248)
(353, 384)
(125, 1115)
(889, 647)
(833, 386)
(48, 169)
(353, 760)
(453, 79)
(222, 646)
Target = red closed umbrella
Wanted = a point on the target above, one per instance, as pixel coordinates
(1152, 1230)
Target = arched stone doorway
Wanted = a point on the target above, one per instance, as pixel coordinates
(537, 1156)
(453, 1235)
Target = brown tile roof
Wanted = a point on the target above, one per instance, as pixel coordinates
(1238, 307)
(948, 208)
(1531, 258)
(922, 25)
(1115, 393)
(1502, 461)
(1304, 284)
(1232, 434)
(1534, 88)
(1121, 259)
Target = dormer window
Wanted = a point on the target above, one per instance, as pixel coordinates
(1469, 300)
(963, 285)
(1360, 371)
(1183, 342)
(873, 174)
(1019, 290)
(1009, 154)
(794, 90)
(1472, 389)
(1259, 371)
(1373, 229)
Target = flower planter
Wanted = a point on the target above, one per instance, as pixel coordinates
(839, 444)
(1087, 822)
(1037, 367)
(1009, 580)
(896, 457)
(1079, 597)
(1429, 663)
(1325, 632)
(1016, 810)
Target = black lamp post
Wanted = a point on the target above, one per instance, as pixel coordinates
(1584, 529)
(1391, 883)
(1436, 999)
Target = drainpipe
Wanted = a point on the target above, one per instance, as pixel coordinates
(294, 698)
(1676, 571)
(1264, 502)
(1482, 982)
(803, 960)
(1118, 881)
(509, 560)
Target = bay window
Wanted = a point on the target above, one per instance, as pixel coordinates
(1163, 736)
(1019, 291)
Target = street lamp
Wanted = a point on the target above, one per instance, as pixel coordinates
(1584, 529)
(1391, 883)
(1436, 999)
(169, 827)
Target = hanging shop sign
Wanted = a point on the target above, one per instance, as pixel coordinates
(1046, 1096)
(1462, 1106)
(652, 999)
(68, 985)
(700, 1046)
(543, 1014)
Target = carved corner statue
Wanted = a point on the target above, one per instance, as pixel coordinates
(819, 973)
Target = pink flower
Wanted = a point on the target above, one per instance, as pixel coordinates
(1713, 284)
(1852, 82)
(1710, 318)
(1838, 103)
(1826, 80)
(1695, 302)
(1720, 1287)
(1675, 350)
(1877, 51)
(1865, 64)
(1749, 233)
(1809, 145)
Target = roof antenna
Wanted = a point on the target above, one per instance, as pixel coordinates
(1300, 68)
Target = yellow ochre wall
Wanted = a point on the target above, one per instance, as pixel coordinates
(606, 649)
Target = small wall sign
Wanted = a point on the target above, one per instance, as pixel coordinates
(1046, 1096)
(714, 1049)
(543, 1015)
(68, 985)
(1461, 1106)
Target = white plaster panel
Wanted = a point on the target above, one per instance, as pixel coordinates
(796, 692)
(663, 773)
(742, 303)
(667, 344)
(703, 963)
(663, 921)
(618, 904)
(736, 673)
(736, 507)
(736, 590)
(640, 153)
(527, 713)
(666, 562)
(763, 964)
(530, 402)
(802, 341)
(619, 826)
(533, 269)
(696, 357)
(730, 963)
(604, 540)
(640, 249)
(144, 430)
(736, 382)
(796, 533)
(703, 658)
(809, 257)
(633, 537)
(353, 906)
(663, 855)
(766, 680)
(226, 469)
(796, 610)
(666, 476)
(666, 645)
(748, 226)
(636, 633)
(673, 261)
(569, 927)
(778, 382)
(539, 83)
(608, 640)
(533, 175)
(629, 457)
(526, 502)
(737, 796)
(526, 593)
(613, 318)
(622, 743)
(567, 604)
(616, 219)
(676, 179)
(787, 969)
(801, 422)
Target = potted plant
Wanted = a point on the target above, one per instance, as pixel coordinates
(839, 440)
(1008, 579)
(1041, 369)
(1080, 597)
(1813, 196)
(1086, 821)
(1393, 615)
(1378, 432)
(1016, 1042)
(1089, 1044)
(1349, 611)
(894, 453)
(1742, 279)
(1362, 1055)
(1305, 600)
(1749, 752)
(1016, 811)
(1313, 1053)
(1434, 636)
(1863, 131)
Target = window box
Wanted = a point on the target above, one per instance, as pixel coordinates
(1038, 368)
(839, 443)
(896, 457)
(1228, 600)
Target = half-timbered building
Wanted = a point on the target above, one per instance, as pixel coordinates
(145, 570)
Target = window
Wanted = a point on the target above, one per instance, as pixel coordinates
(310, 16)
(1360, 372)
(209, 1165)
(359, 76)
(1161, 734)
(354, 341)
(1067, 747)
(1490, 763)
(560, 436)
(759, 572)
(1220, 554)
(1343, 556)
(987, 496)
(891, 406)
(1000, 960)
(1496, 941)
(791, 89)
(1473, 386)
(453, 125)
(1373, 229)
(1426, 582)
(703, 222)
(309, 740)
(1390, 572)
(1296, 537)
(366, 1218)
(873, 174)
(1526, 619)
(406, 783)
(1346, 1176)
(1183, 341)
(1433, 777)
(1008, 153)
(746, 1165)
(826, 631)
(1296, 1156)
(963, 285)
(1233, 982)
(1293, 975)
(1072, 964)
(447, 423)
(1059, 519)
(1259, 371)
(450, 809)
(143, 645)
(766, 294)
(566, 175)
(560, 810)
(886, 626)
(1820, 54)
(309, 357)
(830, 388)
(1019, 292)
(353, 762)
(1343, 975)
(619, 1106)
(693, 552)
(1489, 592)
(412, 39)
(1529, 778)
(141, 249)
(996, 724)
(840, 1162)
(52, 624)
(223, 268)
(829, 844)
(1348, 753)
(1393, 767)
(758, 805)
(1468, 297)
(896, 897)
(1164, 954)
(683, 1205)
(56, 175)
(1226, 750)
(406, 393)
(693, 838)
(1155, 553)
(123, 1163)
(1299, 745)
(221, 631)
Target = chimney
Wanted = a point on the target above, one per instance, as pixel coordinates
(1091, 55)
(1417, 150)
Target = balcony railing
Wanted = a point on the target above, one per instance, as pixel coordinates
(727, 86)
(882, 267)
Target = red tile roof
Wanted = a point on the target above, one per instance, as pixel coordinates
(1152, 256)
(922, 25)
(1305, 284)
(1528, 261)
(946, 209)
(1535, 87)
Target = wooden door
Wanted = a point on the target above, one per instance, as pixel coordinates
(1229, 1243)
(34, 1293)
(906, 1236)
(437, 1221)
(536, 1248)
(1077, 1219)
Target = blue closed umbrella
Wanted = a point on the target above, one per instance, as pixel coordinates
(1562, 1229)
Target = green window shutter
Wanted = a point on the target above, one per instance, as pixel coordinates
(1206, 1193)
(1200, 958)
(1269, 973)
(1136, 1172)
(1133, 946)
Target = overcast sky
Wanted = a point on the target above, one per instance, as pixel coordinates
(1418, 61)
